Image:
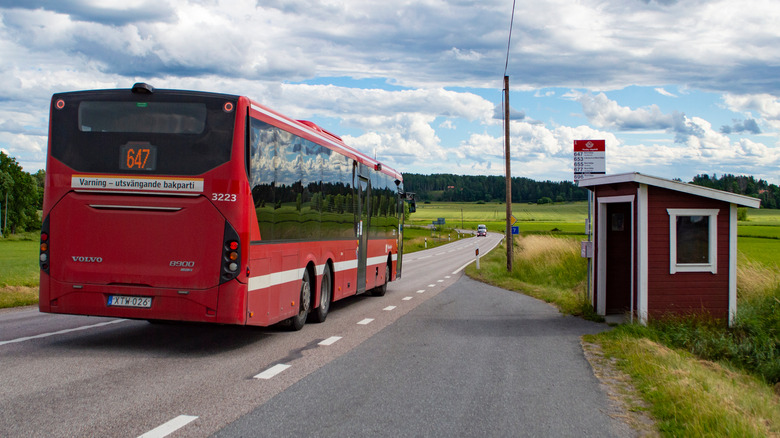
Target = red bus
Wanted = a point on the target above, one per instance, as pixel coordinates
(192, 206)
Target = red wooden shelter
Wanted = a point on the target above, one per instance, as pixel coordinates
(663, 247)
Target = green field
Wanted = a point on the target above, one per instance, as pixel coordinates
(18, 263)
(533, 218)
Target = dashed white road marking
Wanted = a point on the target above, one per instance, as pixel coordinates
(273, 371)
(169, 427)
(407, 298)
(60, 332)
(365, 321)
(421, 291)
(440, 281)
(330, 341)
(389, 308)
(431, 285)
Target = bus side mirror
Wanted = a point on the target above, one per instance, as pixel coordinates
(409, 197)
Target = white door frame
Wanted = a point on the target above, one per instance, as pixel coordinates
(601, 253)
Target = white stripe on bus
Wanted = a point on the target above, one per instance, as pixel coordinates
(278, 278)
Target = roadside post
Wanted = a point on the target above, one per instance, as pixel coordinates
(477, 256)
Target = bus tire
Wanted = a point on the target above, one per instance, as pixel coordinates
(298, 321)
(326, 296)
(380, 291)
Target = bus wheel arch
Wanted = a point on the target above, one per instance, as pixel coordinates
(381, 290)
(326, 295)
(305, 299)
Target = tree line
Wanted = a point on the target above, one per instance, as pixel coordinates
(21, 195)
(482, 188)
(470, 188)
(769, 194)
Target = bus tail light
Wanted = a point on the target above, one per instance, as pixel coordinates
(231, 254)
(43, 257)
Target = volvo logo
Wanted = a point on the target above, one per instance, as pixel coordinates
(87, 259)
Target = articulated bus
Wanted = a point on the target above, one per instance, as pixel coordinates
(171, 205)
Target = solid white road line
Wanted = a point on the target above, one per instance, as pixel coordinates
(60, 332)
(273, 371)
(169, 427)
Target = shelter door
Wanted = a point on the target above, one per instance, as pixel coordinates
(618, 278)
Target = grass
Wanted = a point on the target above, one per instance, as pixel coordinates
(469, 215)
(18, 263)
(544, 267)
(19, 273)
(688, 396)
(419, 238)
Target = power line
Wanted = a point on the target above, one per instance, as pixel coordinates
(509, 41)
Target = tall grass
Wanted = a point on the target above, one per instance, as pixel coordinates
(688, 396)
(545, 267)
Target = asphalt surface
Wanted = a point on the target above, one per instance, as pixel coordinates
(439, 355)
(474, 360)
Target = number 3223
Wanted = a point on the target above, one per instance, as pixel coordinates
(229, 197)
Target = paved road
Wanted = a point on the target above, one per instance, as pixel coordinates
(473, 361)
(439, 354)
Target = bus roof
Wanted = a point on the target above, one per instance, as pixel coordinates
(304, 125)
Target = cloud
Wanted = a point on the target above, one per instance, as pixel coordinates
(443, 61)
(663, 92)
(606, 113)
(115, 13)
(514, 114)
(749, 126)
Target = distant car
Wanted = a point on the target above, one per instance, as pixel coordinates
(481, 230)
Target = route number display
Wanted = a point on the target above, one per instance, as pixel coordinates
(138, 157)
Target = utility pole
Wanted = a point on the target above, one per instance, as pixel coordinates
(509, 250)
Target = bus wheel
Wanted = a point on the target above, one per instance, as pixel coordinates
(297, 321)
(326, 295)
(380, 291)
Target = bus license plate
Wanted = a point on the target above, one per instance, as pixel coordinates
(126, 301)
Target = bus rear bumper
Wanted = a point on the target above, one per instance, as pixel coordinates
(221, 304)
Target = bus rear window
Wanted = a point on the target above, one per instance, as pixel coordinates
(151, 117)
(165, 133)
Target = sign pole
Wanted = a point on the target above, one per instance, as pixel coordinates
(589, 159)
(509, 239)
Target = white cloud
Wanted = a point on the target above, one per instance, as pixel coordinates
(606, 113)
(441, 61)
(663, 92)
(765, 105)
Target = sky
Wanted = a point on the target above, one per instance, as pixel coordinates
(675, 88)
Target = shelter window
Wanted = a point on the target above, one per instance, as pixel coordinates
(693, 240)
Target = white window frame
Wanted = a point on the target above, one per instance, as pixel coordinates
(712, 266)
